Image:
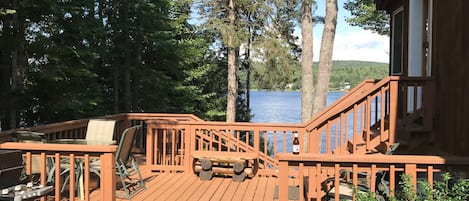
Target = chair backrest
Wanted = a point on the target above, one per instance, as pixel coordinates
(31, 137)
(100, 130)
(125, 144)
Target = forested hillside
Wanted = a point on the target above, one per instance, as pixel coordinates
(352, 72)
(64, 60)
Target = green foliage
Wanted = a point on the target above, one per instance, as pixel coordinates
(364, 14)
(448, 189)
(92, 58)
(4, 11)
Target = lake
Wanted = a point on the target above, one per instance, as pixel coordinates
(280, 106)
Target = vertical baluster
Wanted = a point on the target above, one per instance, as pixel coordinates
(430, 175)
(328, 137)
(393, 93)
(285, 142)
(337, 134)
(57, 176)
(173, 146)
(382, 117)
(301, 181)
(165, 143)
(392, 178)
(373, 178)
(72, 177)
(318, 181)
(411, 169)
(275, 141)
(367, 122)
(86, 181)
(337, 181)
(354, 132)
(355, 177)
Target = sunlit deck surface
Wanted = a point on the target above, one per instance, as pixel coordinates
(187, 186)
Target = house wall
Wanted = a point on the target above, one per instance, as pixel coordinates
(450, 66)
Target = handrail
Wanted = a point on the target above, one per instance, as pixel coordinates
(58, 147)
(377, 159)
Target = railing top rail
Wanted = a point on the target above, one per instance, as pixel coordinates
(59, 147)
(150, 116)
(374, 159)
(229, 124)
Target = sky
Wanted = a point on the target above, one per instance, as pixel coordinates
(351, 43)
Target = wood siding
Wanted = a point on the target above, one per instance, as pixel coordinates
(450, 66)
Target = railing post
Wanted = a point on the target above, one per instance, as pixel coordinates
(189, 140)
(393, 101)
(411, 169)
(305, 140)
(283, 180)
(108, 181)
(150, 144)
(257, 137)
(428, 104)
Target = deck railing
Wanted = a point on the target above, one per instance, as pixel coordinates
(170, 143)
(359, 122)
(47, 161)
(316, 174)
(416, 103)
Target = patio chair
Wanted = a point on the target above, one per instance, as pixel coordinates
(100, 130)
(97, 130)
(35, 137)
(126, 164)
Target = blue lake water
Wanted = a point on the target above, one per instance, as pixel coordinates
(280, 106)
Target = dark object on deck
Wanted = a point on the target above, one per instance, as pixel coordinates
(11, 167)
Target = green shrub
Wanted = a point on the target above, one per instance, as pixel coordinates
(448, 189)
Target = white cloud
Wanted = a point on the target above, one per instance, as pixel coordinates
(357, 45)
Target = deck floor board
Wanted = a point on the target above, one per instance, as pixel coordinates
(187, 186)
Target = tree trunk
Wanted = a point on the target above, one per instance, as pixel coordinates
(17, 63)
(248, 73)
(115, 69)
(127, 55)
(325, 57)
(232, 92)
(306, 61)
(5, 72)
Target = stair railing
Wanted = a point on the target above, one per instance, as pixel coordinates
(361, 121)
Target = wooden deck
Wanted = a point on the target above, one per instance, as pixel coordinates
(187, 186)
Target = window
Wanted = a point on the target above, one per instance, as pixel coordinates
(397, 42)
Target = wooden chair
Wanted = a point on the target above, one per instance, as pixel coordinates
(126, 164)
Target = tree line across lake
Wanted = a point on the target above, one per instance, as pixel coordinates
(351, 72)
